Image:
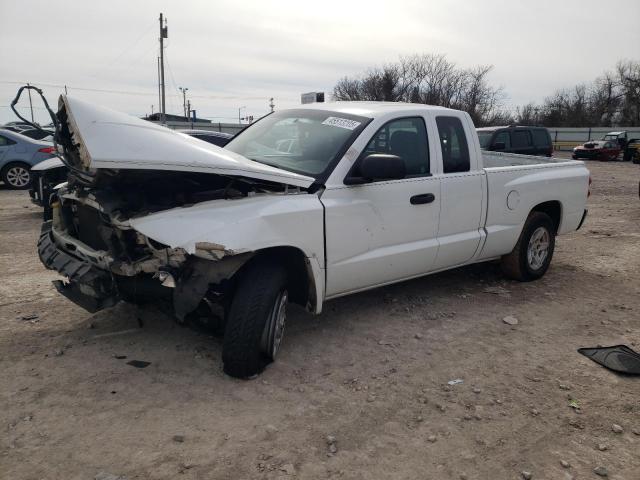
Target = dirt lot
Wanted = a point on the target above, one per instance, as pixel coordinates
(372, 371)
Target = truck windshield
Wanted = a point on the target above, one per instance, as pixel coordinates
(301, 141)
(485, 138)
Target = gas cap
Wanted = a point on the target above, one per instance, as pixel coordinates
(513, 199)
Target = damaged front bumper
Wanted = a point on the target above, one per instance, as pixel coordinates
(88, 286)
(95, 280)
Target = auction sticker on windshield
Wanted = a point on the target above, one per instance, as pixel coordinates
(341, 122)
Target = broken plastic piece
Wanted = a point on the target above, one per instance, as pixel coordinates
(139, 363)
(455, 382)
(618, 358)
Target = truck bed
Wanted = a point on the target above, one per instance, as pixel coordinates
(499, 159)
(516, 183)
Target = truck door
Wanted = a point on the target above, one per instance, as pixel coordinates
(461, 191)
(384, 231)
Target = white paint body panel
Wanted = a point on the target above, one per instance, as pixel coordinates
(116, 140)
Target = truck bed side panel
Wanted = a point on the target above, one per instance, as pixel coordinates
(514, 191)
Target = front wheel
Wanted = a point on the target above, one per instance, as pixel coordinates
(530, 258)
(256, 319)
(16, 176)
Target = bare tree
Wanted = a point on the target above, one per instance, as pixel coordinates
(429, 79)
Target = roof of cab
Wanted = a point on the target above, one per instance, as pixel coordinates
(368, 109)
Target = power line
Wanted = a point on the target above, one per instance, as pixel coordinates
(129, 92)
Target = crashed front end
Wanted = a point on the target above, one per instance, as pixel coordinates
(121, 170)
(104, 260)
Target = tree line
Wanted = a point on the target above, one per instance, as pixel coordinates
(611, 99)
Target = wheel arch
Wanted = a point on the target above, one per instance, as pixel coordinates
(302, 277)
(553, 209)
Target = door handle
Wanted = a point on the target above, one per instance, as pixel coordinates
(421, 199)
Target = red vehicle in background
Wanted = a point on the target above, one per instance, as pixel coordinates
(597, 150)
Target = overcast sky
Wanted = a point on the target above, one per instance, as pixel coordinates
(240, 53)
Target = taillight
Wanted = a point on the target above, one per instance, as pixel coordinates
(589, 191)
(47, 150)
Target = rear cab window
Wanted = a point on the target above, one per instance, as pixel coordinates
(453, 144)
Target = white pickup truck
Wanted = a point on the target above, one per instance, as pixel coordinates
(303, 206)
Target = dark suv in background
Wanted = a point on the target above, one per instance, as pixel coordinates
(516, 139)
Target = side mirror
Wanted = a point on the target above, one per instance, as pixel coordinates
(498, 146)
(378, 166)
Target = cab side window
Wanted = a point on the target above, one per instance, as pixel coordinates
(503, 137)
(521, 139)
(406, 138)
(453, 142)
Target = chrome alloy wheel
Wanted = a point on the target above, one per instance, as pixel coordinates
(538, 248)
(274, 329)
(18, 177)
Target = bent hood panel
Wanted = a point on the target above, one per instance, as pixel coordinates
(115, 140)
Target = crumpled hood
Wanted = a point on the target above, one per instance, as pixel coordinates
(114, 140)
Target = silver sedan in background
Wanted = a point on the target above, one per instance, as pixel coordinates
(18, 153)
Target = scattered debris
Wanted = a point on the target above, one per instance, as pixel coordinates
(288, 468)
(456, 381)
(526, 475)
(119, 357)
(59, 352)
(601, 471)
(602, 447)
(497, 290)
(617, 428)
(618, 358)
(139, 363)
(432, 438)
(565, 464)
(178, 438)
(418, 336)
(108, 476)
(573, 403)
(31, 316)
(564, 387)
(476, 390)
(510, 320)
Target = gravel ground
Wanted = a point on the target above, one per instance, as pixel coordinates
(359, 392)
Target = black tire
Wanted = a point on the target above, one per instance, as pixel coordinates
(518, 265)
(13, 175)
(635, 158)
(258, 292)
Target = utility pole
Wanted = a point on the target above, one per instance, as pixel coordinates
(164, 33)
(30, 104)
(239, 116)
(159, 89)
(184, 102)
(271, 104)
(151, 109)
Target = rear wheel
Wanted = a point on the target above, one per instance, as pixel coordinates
(530, 258)
(256, 320)
(635, 158)
(16, 176)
